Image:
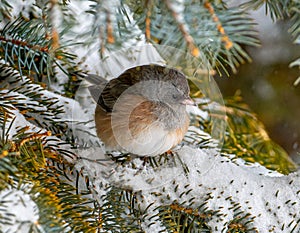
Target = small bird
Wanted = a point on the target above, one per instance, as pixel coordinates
(143, 111)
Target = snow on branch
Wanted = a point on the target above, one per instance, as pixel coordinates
(222, 191)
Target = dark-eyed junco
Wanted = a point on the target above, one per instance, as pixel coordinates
(143, 111)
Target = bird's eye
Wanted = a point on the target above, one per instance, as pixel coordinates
(174, 96)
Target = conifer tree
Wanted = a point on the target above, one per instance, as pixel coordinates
(47, 144)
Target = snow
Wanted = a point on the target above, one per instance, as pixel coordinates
(24, 7)
(20, 209)
(197, 111)
(18, 123)
(268, 196)
(220, 183)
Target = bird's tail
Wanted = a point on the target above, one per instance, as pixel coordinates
(95, 79)
(98, 84)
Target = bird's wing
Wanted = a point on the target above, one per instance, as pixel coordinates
(115, 88)
(107, 93)
(96, 80)
(97, 87)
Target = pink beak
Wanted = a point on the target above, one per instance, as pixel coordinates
(188, 101)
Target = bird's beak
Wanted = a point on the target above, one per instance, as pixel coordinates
(188, 101)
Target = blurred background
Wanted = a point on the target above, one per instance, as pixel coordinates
(267, 84)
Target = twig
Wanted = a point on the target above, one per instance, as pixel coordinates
(228, 43)
(187, 37)
(55, 34)
(148, 20)
(24, 44)
(190, 211)
(109, 29)
(33, 137)
(102, 43)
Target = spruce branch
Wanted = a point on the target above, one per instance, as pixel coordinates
(294, 12)
(26, 45)
(148, 20)
(214, 32)
(55, 44)
(109, 28)
(119, 212)
(32, 101)
(183, 29)
(34, 168)
(23, 44)
(225, 39)
(5, 10)
(247, 138)
(64, 190)
(105, 23)
(282, 10)
(276, 8)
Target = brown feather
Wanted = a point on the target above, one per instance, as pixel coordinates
(127, 119)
